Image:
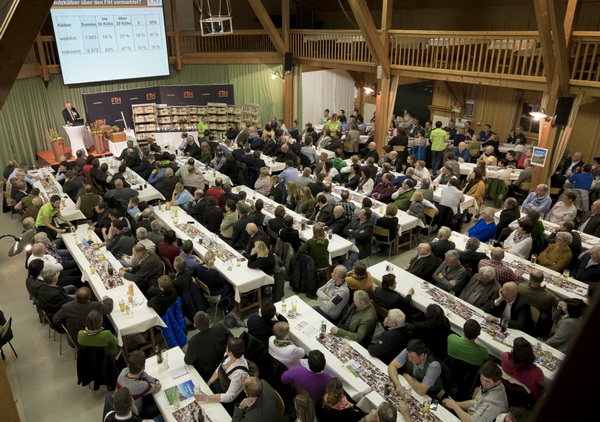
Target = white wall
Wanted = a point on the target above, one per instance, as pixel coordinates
(332, 89)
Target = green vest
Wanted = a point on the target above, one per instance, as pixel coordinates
(201, 128)
(87, 203)
(403, 201)
(435, 389)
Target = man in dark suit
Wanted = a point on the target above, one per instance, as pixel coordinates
(132, 159)
(289, 234)
(587, 269)
(278, 192)
(120, 175)
(572, 163)
(361, 230)
(318, 186)
(192, 149)
(324, 211)
(591, 225)
(257, 161)
(423, 265)
(197, 207)
(338, 221)
(51, 296)
(259, 404)
(167, 185)
(239, 238)
(254, 235)
(227, 194)
(242, 134)
(519, 312)
(442, 245)
(73, 314)
(146, 273)
(286, 154)
(206, 349)
(394, 339)
(70, 114)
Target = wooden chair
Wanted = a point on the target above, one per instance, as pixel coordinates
(399, 148)
(554, 191)
(505, 232)
(469, 272)
(535, 314)
(438, 262)
(70, 340)
(381, 311)
(5, 332)
(167, 267)
(215, 300)
(380, 231)
(280, 405)
(10, 202)
(429, 212)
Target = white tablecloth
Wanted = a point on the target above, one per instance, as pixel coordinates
(142, 318)
(303, 332)
(421, 300)
(79, 138)
(460, 240)
(587, 241)
(68, 211)
(465, 205)
(215, 411)
(207, 172)
(148, 193)
(171, 140)
(466, 168)
(242, 278)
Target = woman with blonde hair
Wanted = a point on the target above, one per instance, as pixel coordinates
(181, 196)
(292, 196)
(306, 204)
(305, 408)
(263, 183)
(209, 275)
(261, 258)
(416, 207)
(317, 247)
(205, 153)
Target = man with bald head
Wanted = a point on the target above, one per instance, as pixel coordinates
(255, 235)
(509, 304)
(423, 265)
(74, 313)
(504, 273)
(488, 156)
(259, 404)
(538, 200)
(339, 220)
(121, 194)
(572, 163)
(167, 185)
(536, 294)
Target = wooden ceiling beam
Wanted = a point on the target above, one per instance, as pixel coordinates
(369, 31)
(457, 92)
(542, 16)
(571, 15)
(560, 47)
(18, 32)
(267, 24)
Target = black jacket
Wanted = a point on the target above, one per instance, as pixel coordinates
(362, 233)
(146, 274)
(261, 329)
(391, 343)
(291, 236)
(324, 215)
(260, 235)
(390, 299)
(213, 218)
(239, 238)
(197, 210)
(51, 299)
(316, 188)
(471, 259)
(206, 349)
(337, 225)
(439, 248)
(278, 193)
(276, 224)
(193, 150)
(162, 302)
(520, 312)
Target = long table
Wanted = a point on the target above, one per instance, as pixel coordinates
(490, 172)
(338, 246)
(48, 186)
(304, 331)
(175, 357)
(425, 296)
(142, 317)
(147, 192)
(587, 241)
(575, 289)
(229, 262)
(209, 174)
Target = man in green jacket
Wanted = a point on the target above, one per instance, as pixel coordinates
(403, 195)
(359, 322)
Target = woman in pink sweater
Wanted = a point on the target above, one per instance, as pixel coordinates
(520, 364)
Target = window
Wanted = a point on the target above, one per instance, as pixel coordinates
(528, 123)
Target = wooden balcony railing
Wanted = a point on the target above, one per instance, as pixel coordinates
(585, 59)
(499, 54)
(240, 41)
(347, 47)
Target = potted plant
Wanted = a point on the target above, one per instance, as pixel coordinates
(97, 137)
(56, 142)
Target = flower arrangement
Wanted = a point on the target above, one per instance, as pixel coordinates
(95, 128)
(183, 121)
(456, 108)
(53, 136)
(115, 129)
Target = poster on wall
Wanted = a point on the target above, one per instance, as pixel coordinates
(107, 107)
(538, 158)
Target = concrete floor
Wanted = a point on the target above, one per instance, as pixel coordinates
(44, 383)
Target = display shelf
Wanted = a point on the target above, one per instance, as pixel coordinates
(252, 114)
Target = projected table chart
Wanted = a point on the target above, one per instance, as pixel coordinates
(109, 33)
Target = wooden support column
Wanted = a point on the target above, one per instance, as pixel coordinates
(571, 15)
(178, 58)
(559, 47)
(289, 81)
(22, 23)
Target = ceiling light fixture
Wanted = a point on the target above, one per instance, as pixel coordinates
(541, 114)
(276, 75)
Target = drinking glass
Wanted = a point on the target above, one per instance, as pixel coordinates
(176, 400)
(426, 405)
(566, 274)
(283, 306)
(122, 305)
(165, 356)
(504, 324)
(407, 393)
(197, 392)
(294, 305)
(533, 258)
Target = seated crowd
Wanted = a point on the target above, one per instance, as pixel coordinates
(418, 345)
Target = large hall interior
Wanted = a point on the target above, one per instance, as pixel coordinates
(299, 210)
